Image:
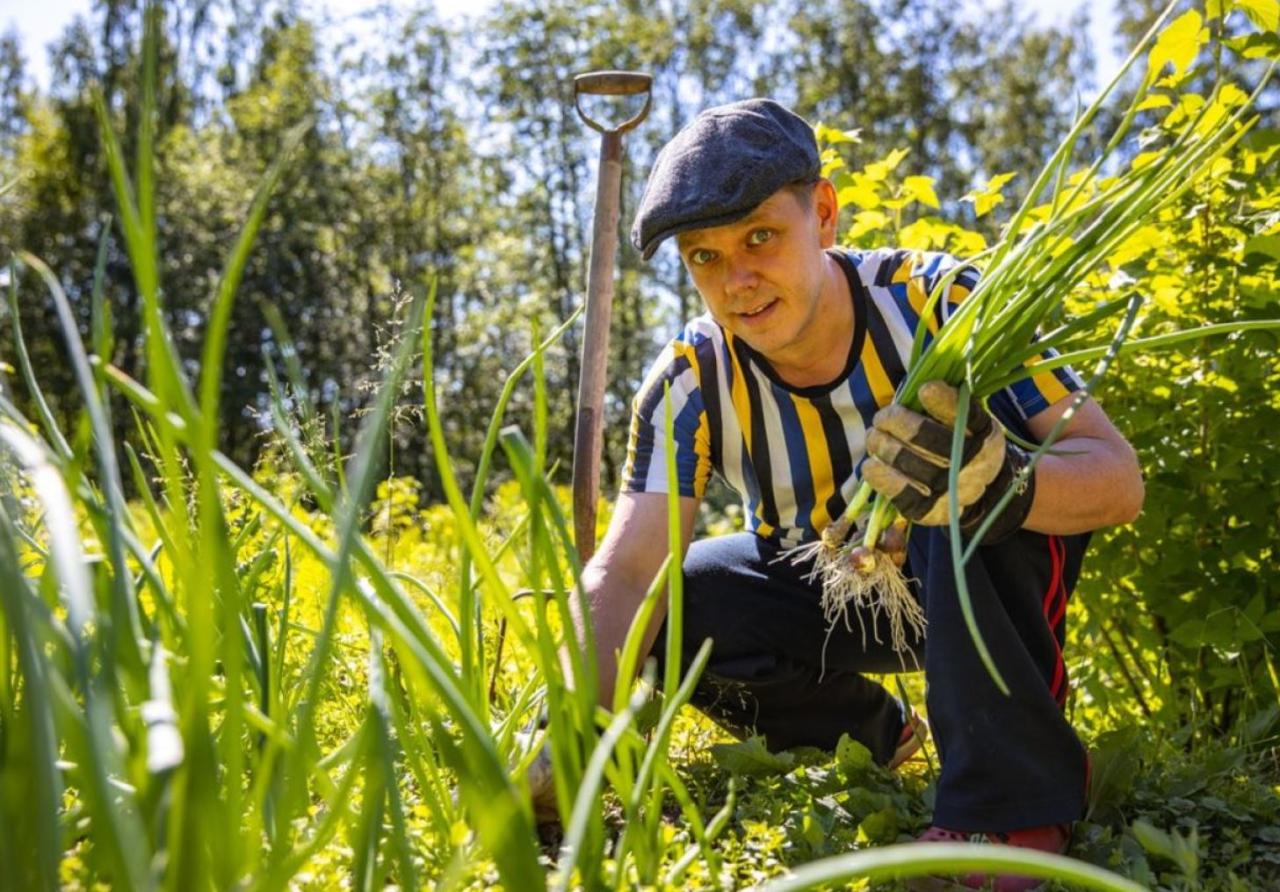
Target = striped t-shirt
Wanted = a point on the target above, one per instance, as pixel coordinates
(794, 453)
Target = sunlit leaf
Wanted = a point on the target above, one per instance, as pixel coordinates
(1153, 839)
(1143, 240)
(1263, 45)
(986, 197)
(1155, 100)
(831, 162)
(750, 757)
(860, 191)
(1178, 43)
(922, 235)
(1268, 245)
(920, 189)
(880, 170)
(1265, 14)
(864, 222)
(852, 757)
(833, 137)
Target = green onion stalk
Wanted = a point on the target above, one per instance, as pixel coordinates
(1062, 233)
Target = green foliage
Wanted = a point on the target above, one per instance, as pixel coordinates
(1185, 601)
(750, 758)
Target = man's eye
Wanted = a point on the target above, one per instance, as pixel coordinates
(760, 236)
(701, 256)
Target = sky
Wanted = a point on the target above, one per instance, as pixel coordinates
(42, 21)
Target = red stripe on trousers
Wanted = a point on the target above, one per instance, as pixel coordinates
(1056, 588)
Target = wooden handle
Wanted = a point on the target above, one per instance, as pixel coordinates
(612, 83)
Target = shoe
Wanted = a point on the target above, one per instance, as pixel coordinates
(1054, 839)
(915, 731)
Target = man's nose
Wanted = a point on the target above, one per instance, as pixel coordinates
(740, 280)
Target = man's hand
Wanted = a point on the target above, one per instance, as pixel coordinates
(542, 786)
(909, 456)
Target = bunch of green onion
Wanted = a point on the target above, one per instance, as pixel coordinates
(1063, 232)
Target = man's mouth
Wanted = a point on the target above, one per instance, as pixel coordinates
(757, 309)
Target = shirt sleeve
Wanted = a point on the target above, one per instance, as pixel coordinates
(647, 447)
(1024, 398)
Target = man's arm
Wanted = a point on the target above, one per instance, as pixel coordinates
(1096, 483)
(1100, 485)
(617, 577)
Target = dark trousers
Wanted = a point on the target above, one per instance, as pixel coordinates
(1008, 762)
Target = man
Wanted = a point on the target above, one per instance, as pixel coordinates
(778, 389)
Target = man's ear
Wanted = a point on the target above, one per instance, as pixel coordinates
(827, 208)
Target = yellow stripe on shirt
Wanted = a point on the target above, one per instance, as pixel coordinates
(881, 387)
(702, 446)
(1049, 386)
(917, 297)
(741, 402)
(815, 442)
(906, 269)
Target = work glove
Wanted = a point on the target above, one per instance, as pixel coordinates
(909, 456)
(542, 787)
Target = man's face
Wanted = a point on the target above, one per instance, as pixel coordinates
(761, 277)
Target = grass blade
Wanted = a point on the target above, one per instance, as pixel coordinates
(953, 534)
(912, 860)
(47, 421)
(117, 830)
(32, 861)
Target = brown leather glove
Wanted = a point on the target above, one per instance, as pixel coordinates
(909, 456)
(542, 787)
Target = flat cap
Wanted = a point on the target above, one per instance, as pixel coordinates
(720, 166)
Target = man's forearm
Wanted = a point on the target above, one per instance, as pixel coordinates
(612, 600)
(1098, 486)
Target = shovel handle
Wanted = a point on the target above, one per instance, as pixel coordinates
(613, 83)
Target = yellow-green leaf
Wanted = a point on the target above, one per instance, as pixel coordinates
(860, 191)
(750, 757)
(864, 222)
(988, 196)
(920, 189)
(833, 137)
(1136, 245)
(1265, 14)
(1143, 159)
(982, 204)
(1268, 245)
(880, 170)
(921, 235)
(1259, 45)
(1189, 104)
(964, 243)
(831, 162)
(1178, 43)
(1232, 96)
(1155, 100)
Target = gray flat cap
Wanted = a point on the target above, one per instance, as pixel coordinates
(720, 166)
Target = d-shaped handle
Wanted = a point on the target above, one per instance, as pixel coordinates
(613, 83)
